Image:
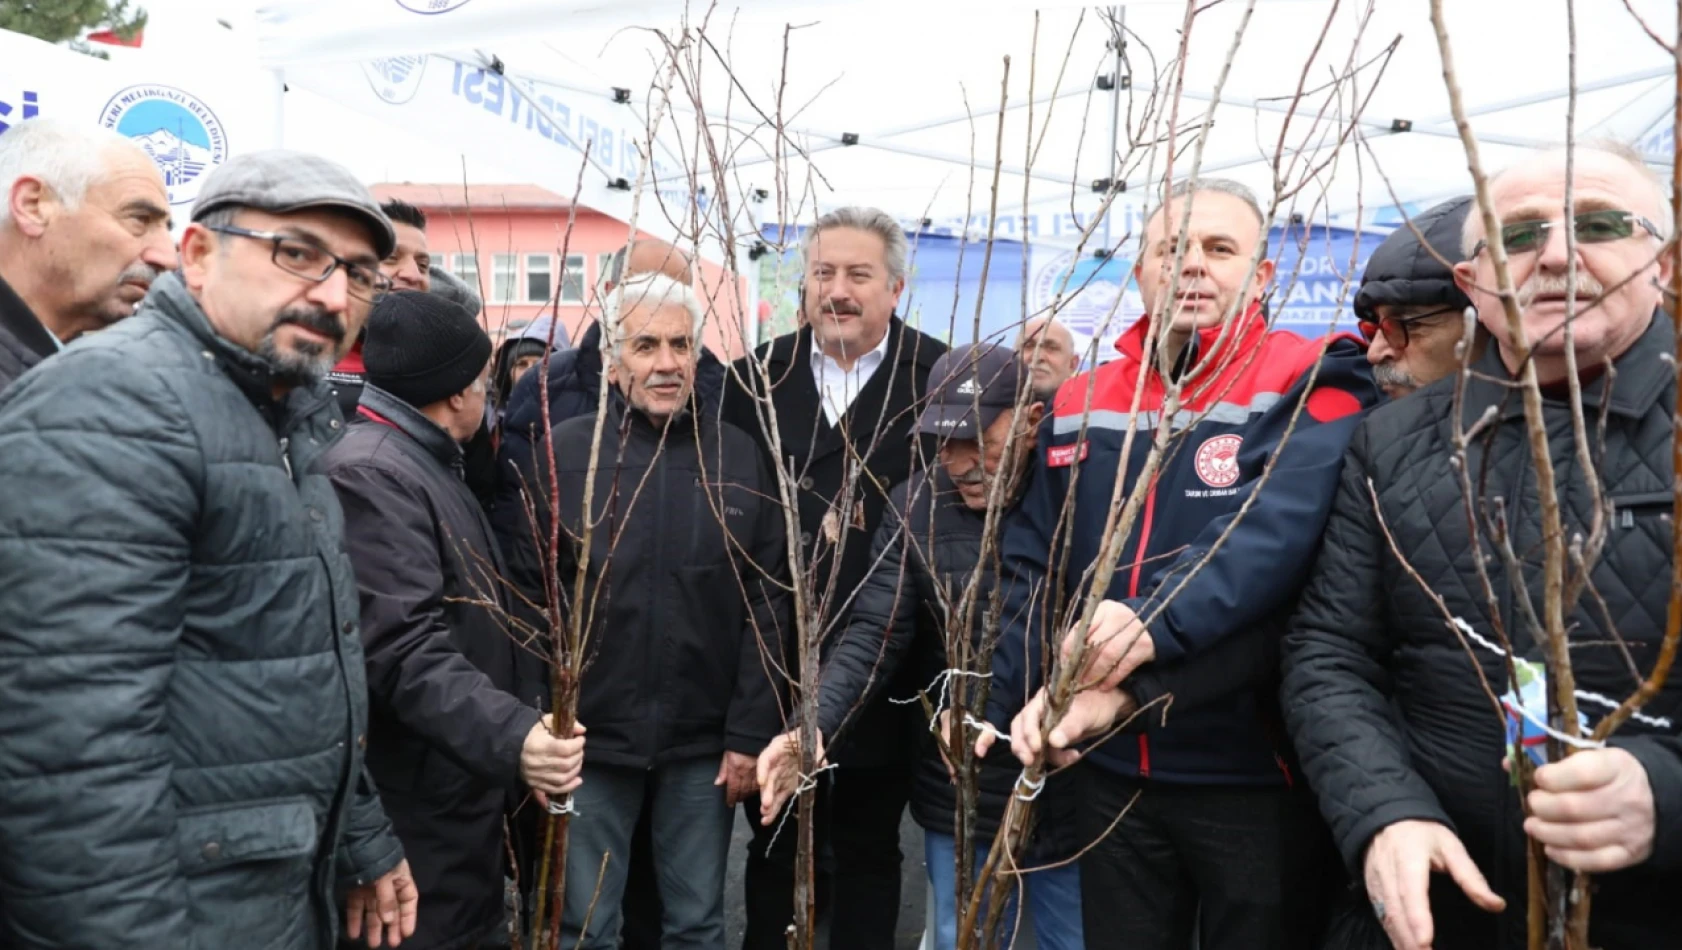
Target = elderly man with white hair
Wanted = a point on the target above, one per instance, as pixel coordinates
(684, 602)
(1390, 704)
(84, 229)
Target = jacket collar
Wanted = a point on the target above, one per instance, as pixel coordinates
(1639, 379)
(381, 406)
(621, 413)
(16, 316)
(170, 299)
(1244, 333)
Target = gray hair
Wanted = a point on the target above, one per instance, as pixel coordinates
(67, 156)
(1224, 186)
(1472, 230)
(870, 220)
(649, 291)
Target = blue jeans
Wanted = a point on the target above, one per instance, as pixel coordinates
(690, 831)
(1053, 894)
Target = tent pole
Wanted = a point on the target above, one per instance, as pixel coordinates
(1118, 43)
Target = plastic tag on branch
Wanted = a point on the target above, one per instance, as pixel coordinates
(1527, 714)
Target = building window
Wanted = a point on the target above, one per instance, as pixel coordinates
(504, 276)
(466, 268)
(539, 281)
(572, 282)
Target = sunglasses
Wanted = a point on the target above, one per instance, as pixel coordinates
(1395, 330)
(1591, 227)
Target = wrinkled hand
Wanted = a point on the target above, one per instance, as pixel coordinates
(1116, 645)
(385, 908)
(549, 764)
(1092, 712)
(1399, 863)
(779, 773)
(737, 773)
(1593, 811)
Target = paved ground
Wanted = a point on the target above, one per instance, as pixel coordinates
(913, 891)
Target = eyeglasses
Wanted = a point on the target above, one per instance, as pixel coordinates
(1395, 330)
(303, 259)
(1591, 227)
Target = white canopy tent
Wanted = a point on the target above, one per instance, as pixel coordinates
(897, 105)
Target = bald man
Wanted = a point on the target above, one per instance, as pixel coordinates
(1047, 346)
(84, 229)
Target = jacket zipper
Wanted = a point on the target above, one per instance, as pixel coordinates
(286, 456)
(655, 645)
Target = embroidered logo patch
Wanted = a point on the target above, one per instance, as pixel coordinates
(1217, 460)
(1062, 456)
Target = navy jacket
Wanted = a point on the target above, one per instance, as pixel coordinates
(1192, 595)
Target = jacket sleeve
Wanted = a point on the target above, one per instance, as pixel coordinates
(879, 630)
(756, 708)
(1336, 689)
(1026, 596)
(1235, 665)
(97, 522)
(369, 848)
(1245, 566)
(416, 674)
(1661, 757)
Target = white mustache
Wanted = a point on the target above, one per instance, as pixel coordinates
(139, 272)
(1587, 288)
(663, 379)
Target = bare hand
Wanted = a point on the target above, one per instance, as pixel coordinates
(386, 908)
(737, 774)
(779, 773)
(1594, 811)
(1116, 645)
(1092, 712)
(549, 764)
(1399, 863)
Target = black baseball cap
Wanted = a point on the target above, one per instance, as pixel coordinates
(969, 388)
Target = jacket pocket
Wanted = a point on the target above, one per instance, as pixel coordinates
(1630, 509)
(248, 870)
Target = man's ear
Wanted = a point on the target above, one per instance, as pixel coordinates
(198, 245)
(1466, 277)
(31, 205)
(1264, 276)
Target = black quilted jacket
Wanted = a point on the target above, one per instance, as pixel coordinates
(1385, 706)
(23, 340)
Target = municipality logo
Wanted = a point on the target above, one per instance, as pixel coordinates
(181, 134)
(396, 79)
(431, 7)
(1096, 297)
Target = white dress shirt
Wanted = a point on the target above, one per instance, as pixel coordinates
(837, 387)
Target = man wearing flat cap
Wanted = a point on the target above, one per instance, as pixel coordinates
(185, 715)
(448, 735)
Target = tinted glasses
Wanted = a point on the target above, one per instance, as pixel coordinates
(1591, 227)
(1395, 329)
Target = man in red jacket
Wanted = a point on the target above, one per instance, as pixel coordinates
(1215, 837)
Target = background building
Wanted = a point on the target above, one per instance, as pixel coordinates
(512, 242)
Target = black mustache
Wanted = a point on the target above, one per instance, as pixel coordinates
(847, 309)
(318, 321)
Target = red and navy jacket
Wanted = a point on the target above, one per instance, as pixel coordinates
(1191, 591)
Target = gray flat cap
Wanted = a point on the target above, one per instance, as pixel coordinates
(281, 181)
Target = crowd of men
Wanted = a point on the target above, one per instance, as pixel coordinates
(290, 549)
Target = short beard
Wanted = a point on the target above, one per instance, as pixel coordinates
(1390, 376)
(309, 362)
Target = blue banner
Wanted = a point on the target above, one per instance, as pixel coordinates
(1318, 270)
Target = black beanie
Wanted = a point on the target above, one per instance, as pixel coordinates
(422, 348)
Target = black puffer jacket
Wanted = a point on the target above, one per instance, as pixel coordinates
(689, 599)
(23, 340)
(899, 622)
(1384, 705)
(182, 731)
(575, 378)
(445, 730)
